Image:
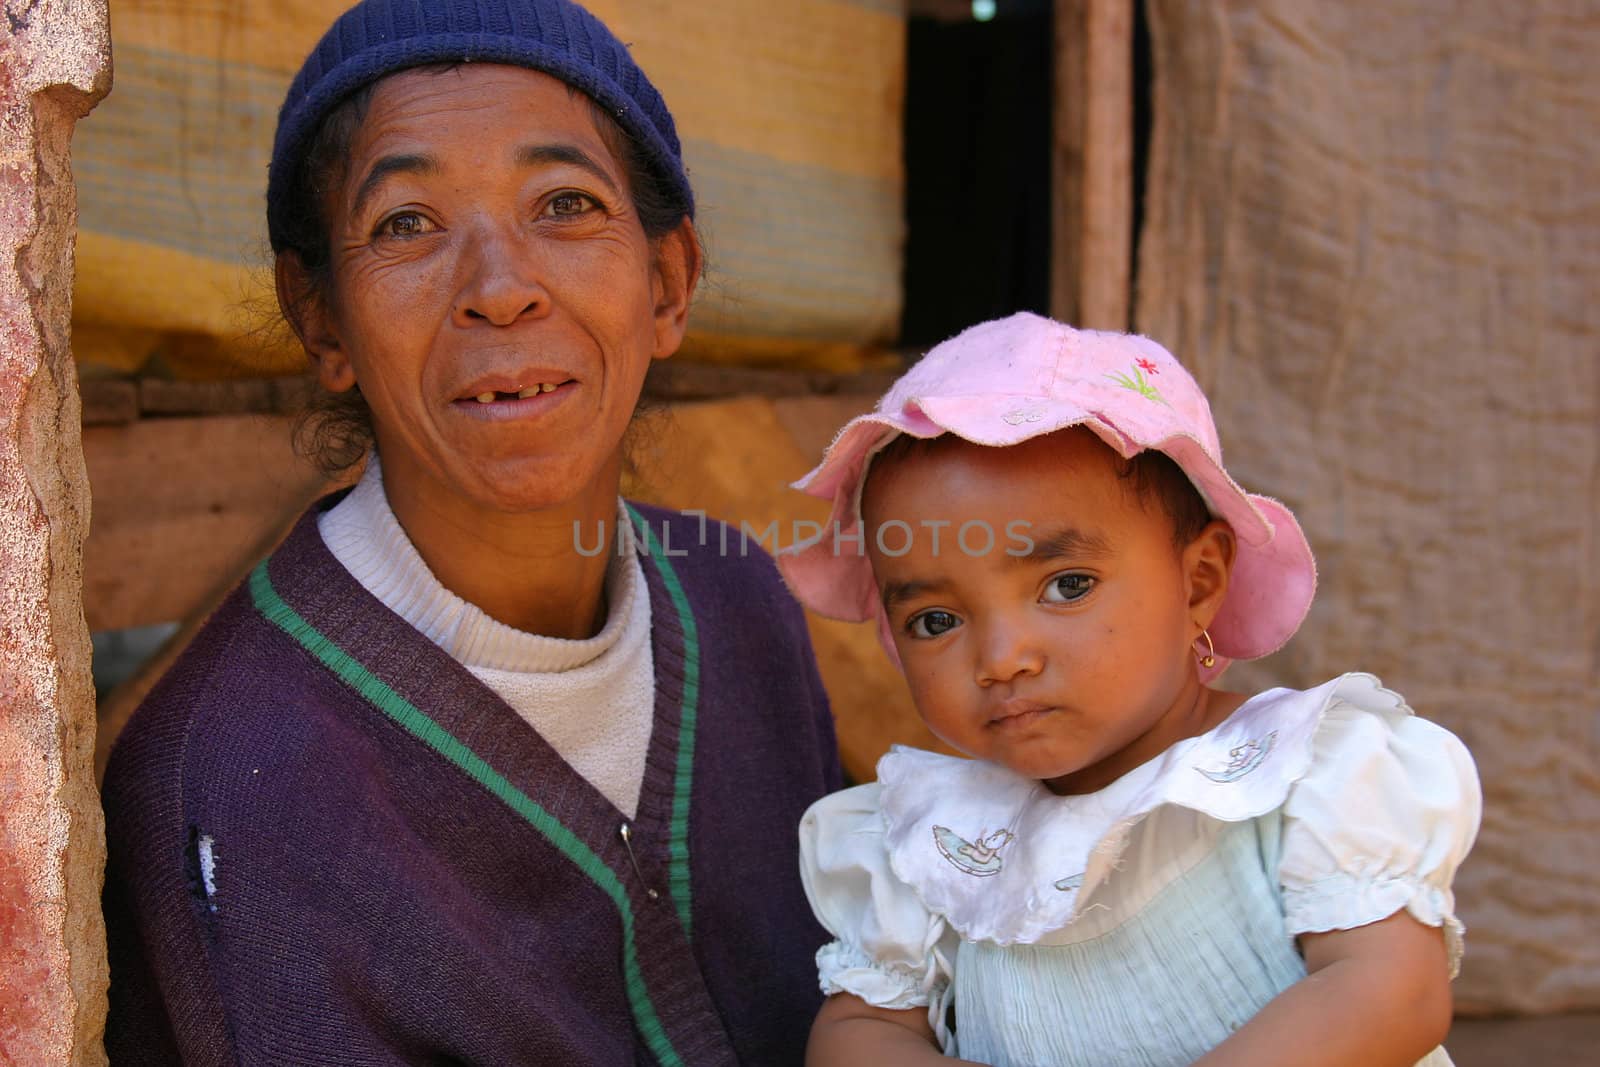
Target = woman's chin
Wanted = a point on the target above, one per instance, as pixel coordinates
(576, 483)
(532, 484)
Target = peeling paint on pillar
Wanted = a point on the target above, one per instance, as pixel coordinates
(55, 62)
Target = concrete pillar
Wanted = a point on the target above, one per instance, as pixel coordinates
(55, 62)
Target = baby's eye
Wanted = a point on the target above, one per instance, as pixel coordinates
(931, 623)
(570, 203)
(405, 224)
(1065, 588)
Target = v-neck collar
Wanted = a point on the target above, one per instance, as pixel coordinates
(307, 593)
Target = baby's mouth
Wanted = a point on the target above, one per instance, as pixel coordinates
(1015, 712)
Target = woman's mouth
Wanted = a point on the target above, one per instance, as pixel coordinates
(497, 393)
(512, 399)
(494, 395)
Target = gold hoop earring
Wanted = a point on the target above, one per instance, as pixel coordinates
(1210, 657)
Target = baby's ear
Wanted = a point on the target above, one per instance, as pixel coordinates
(1207, 563)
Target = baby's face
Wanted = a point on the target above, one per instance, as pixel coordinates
(1041, 611)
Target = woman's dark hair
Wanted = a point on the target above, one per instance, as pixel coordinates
(1153, 478)
(335, 430)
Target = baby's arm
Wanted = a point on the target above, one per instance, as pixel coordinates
(1377, 996)
(1372, 836)
(887, 968)
(849, 1032)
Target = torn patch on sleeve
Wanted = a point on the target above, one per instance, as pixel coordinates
(201, 862)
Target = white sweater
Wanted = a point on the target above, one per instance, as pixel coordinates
(592, 700)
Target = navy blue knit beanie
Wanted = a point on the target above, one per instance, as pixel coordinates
(379, 37)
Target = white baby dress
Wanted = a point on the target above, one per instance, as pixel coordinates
(1140, 925)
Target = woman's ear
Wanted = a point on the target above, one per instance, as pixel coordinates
(307, 314)
(1208, 562)
(678, 260)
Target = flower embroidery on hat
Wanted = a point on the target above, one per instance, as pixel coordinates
(1138, 383)
(980, 858)
(1022, 415)
(1242, 759)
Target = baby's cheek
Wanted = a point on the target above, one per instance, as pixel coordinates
(942, 704)
(962, 741)
(931, 680)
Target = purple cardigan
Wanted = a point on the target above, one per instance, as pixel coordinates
(331, 844)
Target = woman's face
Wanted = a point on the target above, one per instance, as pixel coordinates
(494, 294)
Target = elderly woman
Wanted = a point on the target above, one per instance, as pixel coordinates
(441, 783)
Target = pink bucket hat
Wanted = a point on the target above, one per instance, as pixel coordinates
(1003, 382)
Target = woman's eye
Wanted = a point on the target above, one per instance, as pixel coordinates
(408, 224)
(931, 624)
(1065, 588)
(566, 204)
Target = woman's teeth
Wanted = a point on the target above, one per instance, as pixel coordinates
(521, 394)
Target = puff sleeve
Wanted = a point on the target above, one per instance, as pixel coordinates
(889, 950)
(1379, 823)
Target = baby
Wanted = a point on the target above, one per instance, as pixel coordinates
(1135, 868)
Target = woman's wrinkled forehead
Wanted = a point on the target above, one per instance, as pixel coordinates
(376, 38)
(414, 121)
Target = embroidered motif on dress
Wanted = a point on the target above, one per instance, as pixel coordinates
(980, 858)
(1242, 759)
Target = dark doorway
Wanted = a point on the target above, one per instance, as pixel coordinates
(978, 137)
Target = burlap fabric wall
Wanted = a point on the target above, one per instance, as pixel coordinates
(790, 115)
(1373, 230)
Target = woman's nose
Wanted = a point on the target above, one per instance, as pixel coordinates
(1007, 651)
(501, 283)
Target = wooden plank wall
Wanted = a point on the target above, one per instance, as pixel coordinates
(1092, 163)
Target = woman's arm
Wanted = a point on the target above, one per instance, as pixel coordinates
(1374, 996)
(849, 1032)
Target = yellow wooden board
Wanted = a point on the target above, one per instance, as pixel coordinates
(789, 114)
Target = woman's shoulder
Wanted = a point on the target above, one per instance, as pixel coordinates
(723, 569)
(236, 667)
(695, 539)
(241, 693)
(220, 667)
(215, 753)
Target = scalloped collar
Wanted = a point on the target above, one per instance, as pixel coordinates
(1003, 859)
